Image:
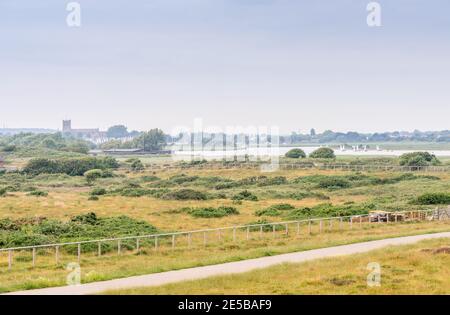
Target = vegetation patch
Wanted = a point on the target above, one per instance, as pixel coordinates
(210, 212)
(29, 232)
(185, 194)
(433, 199)
(245, 195)
(72, 167)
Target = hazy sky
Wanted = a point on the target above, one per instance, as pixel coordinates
(162, 63)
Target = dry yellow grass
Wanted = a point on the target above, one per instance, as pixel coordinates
(422, 268)
(111, 266)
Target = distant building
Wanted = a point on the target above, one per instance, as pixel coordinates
(94, 135)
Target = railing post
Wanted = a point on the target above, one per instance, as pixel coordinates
(309, 227)
(273, 230)
(340, 223)
(118, 247)
(57, 254)
(320, 226)
(79, 252)
(189, 239)
(248, 233)
(234, 234)
(261, 230)
(99, 249)
(34, 256)
(360, 221)
(156, 242)
(298, 228)
(287, 229)
(173, 241)
(138, 245)
(10, 259)
(351, 223)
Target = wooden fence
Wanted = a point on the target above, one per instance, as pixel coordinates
(189, 239)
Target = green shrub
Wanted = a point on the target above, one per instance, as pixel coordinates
(3, 192)
(98, 191)
(93, 198)
(137, 165)
(418, 159)
(72, 167)
(333, 183)
(38, 193)
(185, 194)
(271, 212)
(245, 195)
(82, 227)
(323, 153)
(151, 178)
(295, 154)
(93, 175)
(433, 199)
(282, 206)
(210, 212)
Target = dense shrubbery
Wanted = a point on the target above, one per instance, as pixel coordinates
(38, 193)
(245, 195)
(2, 192)
(15, 233)
(418, 159)
(333, 183)
(322, 153)
(210, 212)
(433, 199)
(328, 210)
(295, 154)
(274, 210)
(98, 191)
(185, 194)
(72, 167)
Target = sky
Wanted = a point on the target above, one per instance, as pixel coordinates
(287, 63)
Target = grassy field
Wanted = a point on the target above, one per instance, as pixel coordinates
(422, 268)
(45, 208)
(110, 266)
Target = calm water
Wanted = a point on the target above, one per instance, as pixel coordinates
(282, 150)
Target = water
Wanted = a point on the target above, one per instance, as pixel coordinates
(282, 150)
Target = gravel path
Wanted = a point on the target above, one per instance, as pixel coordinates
(227, 268)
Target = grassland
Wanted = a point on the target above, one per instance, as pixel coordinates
(143, 195)
(422, 268)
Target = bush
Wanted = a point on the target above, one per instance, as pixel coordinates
(72, 167)
(78, 228)
(433, 199)
(323, 153)
(270, 212)
(333, 183)
(137, 165)
(185, 194)
(3, 192)
(93, 175)
(98, 191)
(210, 212)
(245, 195)
(93, 198)
(295, 154)
(38, 193)
(418, 159)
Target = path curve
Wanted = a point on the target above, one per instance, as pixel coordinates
(162, 278)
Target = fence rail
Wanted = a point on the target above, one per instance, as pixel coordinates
(243, 231)
(293, 166)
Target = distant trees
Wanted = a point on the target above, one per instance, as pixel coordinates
(152, 140)
(418, 159)
(323, 153)
(117, 131)
(295, 154)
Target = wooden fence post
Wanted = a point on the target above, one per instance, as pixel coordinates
(57, 254)
(10, 259)
(173, 241)
(34, 256)
(118, 247)
(99, 249)
(79, 252)
(298, 228)
(137, 245)
(309, 227)
(156, 242)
